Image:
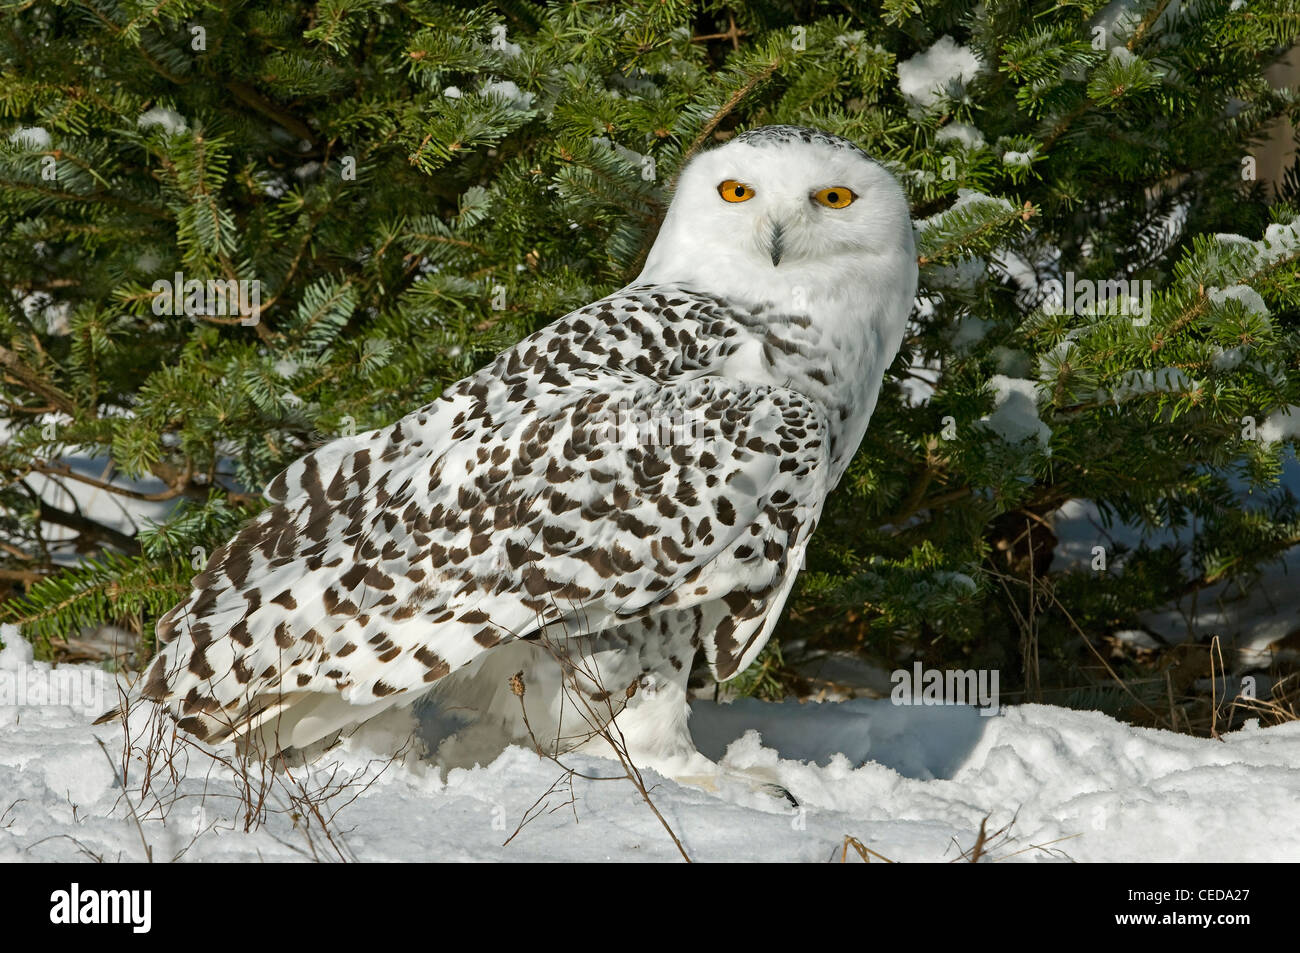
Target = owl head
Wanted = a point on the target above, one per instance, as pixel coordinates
(783, 209)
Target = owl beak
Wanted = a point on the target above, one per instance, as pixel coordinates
(775, 244)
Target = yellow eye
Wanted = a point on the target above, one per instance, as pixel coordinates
(734, 191)
(837, 196)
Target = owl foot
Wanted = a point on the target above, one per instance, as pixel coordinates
(755, 779)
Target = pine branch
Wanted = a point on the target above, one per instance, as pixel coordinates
(25, 377)
(734, 100)
(89, 530)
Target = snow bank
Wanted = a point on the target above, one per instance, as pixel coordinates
(906, 781)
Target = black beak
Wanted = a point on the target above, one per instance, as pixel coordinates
(777, 249)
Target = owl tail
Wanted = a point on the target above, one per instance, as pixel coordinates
(270, 723)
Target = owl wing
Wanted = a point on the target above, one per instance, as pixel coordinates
(396, 557)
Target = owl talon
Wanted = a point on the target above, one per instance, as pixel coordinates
(759, 785)
(777, 791)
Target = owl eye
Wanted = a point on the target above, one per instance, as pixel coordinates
(733, 191)
(837, 196)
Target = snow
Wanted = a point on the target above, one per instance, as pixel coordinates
(906, 781)
(509, 93)
(1118, 21)
(171, 121)
(964, 133)
(1280, 240)
(1018, 160)
(918, 385)
(1250, 622)
(32, 137)
(970, 331)
(307, 171)
(1018, 270)
(965, 197)
(630, 156)
(108, 509)
(1280, 425)
(41, 305)
(1015, 415)
(1247, 296)
(927, 77)
(1227, 359)
(957, 579)
(963, 276)
(503, 45)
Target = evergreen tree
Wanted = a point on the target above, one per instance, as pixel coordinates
(404, 188)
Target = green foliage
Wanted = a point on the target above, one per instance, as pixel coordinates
(111, 587)
(416, 185)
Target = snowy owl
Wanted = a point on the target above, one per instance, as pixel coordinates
(633, 483)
